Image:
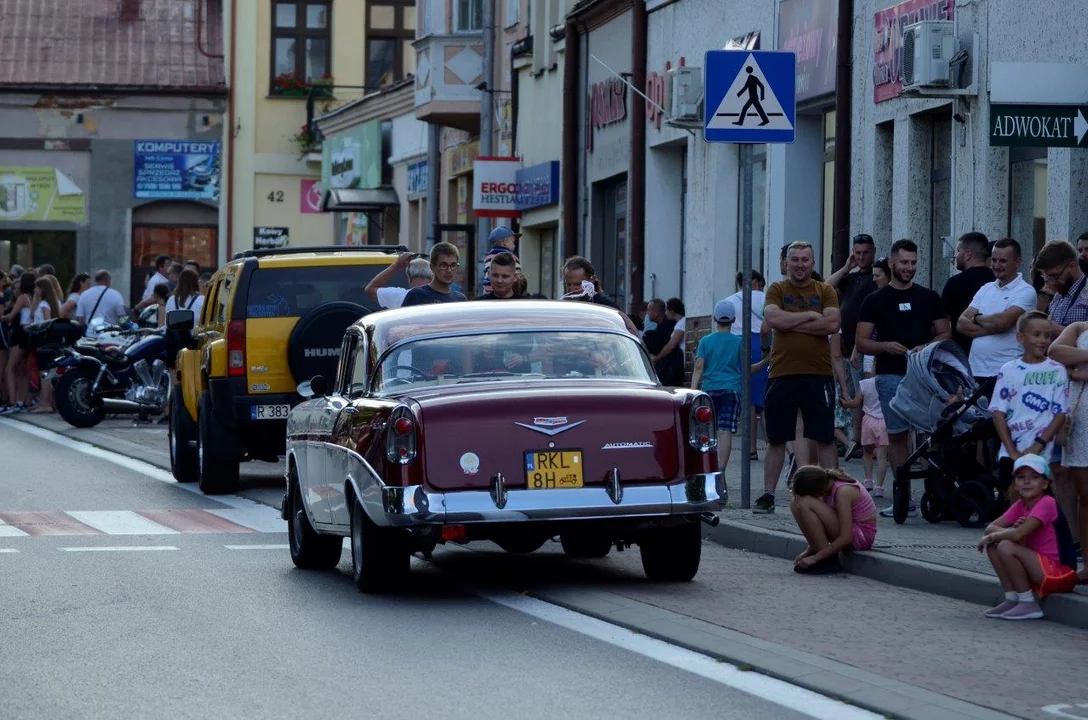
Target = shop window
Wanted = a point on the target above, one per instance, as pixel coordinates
(180, 243)
(827, 229)
(301, 45)
(468, 15)
(942, 246)
(1027, 198)
(391, 27)
(752, 220)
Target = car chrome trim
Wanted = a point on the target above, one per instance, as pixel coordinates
(498, 490)
(612, 486)
(701, 493)
(552, 431)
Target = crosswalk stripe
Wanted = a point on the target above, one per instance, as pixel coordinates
(260, 518)
(54, 522)
(10, 531)
(8, 550)
(120, 522)
(194, 521)
(257, 547)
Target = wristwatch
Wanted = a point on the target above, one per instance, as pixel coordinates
(1042, 442)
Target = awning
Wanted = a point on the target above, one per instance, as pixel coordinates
(354, 200)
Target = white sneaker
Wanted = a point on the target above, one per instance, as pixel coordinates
(889, 511)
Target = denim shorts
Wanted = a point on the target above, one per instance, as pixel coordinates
(885, 389)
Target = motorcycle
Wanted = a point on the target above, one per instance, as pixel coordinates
(92, 379)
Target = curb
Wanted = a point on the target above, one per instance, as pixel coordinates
(839, 681)
(1067, 609)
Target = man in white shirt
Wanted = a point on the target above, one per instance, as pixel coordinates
(418, 272)
(162, 266)
(990, 319)
(100, 301)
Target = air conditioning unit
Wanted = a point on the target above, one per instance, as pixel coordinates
(684, 94)
(928, 47)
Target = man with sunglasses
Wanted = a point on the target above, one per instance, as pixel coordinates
(445, 259)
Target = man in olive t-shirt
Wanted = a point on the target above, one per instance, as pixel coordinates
(802, 312)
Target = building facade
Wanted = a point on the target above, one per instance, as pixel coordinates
(932, 168)
(104, 163)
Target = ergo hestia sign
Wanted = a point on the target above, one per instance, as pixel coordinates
(1039, 125)
(495, 187)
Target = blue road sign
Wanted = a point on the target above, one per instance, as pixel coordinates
(750, 96)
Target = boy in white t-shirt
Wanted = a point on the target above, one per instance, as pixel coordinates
(1030, 397)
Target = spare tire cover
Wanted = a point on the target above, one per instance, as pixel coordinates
(314, 345)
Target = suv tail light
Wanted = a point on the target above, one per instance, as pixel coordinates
(401, 436)
(236, 347)
(702, 425)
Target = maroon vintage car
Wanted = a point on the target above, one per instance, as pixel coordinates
(514, 421)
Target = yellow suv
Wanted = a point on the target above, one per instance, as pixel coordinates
(271, 319)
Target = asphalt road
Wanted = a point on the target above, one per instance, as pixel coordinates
(123, 595)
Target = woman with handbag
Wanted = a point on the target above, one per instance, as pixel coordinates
(1071, 350)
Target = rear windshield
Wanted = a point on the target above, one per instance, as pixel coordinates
(292, 292)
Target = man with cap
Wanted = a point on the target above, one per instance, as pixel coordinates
(718, 373)
(502, 239)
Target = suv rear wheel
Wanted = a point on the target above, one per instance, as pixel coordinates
(183, 432)
(217, 456)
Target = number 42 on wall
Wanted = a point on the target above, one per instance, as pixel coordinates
(275, 196)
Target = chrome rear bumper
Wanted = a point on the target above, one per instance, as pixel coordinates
(414, 505)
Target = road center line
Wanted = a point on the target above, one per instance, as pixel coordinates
(764, 687)
(119, 548)
(257, 547)
(8, 550)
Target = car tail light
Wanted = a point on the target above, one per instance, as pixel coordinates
(236, 347)
(400, 441)
(702, 430)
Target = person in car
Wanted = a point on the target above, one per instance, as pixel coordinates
(445, 259)
(418, 271)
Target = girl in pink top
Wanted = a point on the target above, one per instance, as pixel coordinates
(834, 513)
(1022, 545)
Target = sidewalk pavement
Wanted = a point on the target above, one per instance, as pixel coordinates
(940, 559)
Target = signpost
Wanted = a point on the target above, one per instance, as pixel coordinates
(1039, 125)
(750, 98)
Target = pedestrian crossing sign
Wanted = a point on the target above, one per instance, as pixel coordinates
(750, 96)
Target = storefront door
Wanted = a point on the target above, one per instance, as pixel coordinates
(31, 248)
(612, 264)
(180, 243)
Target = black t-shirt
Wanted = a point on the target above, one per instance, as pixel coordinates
(492, 296)
(958, 293)
(853, 289)
(427, 295)
(902, 316)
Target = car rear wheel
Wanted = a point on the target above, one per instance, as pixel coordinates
(183, 432)
(585, 544)
(217, 457)
(379, 559)
(310, 550)
(671, 554)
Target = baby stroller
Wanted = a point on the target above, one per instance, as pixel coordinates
(939, 396)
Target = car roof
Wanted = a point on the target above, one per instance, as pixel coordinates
(320, 259)
(452, 319)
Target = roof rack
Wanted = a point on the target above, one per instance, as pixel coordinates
(389, 249)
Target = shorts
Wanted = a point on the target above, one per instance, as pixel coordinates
(727, 405)
(1057, 578)
(811, 395)
(885, 388)
(759, 379)
(873, 432)
(863, 535)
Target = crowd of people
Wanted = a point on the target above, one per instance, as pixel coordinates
(32, 296)
(838, 352)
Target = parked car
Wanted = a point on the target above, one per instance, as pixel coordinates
(271, 319)
(512, 421)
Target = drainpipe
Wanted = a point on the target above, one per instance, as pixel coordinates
(230, 128)
(843, 113)
(571, 131)
(636, 178)
(487, 132)
(434, 137)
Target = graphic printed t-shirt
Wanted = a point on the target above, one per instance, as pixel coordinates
(797, 353)
(990, 352)
(1044, 540)
(720, 352)
(1030, 395)
(902, 316)
(427, 295)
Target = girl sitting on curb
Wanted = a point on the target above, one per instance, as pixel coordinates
(1030, 545)
(834, 513)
